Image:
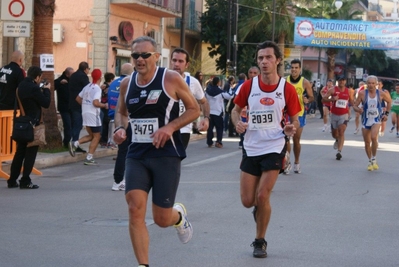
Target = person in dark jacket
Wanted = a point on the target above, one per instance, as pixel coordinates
(230, 104)
(108, 77)
(230, 83)
(77, 82)
(10, 76)
(62, 86)
(33, 98)
(215, 97)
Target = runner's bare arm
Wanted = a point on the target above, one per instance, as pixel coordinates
(357, 102)
(204, 123)
(309, 91)
(236, 119)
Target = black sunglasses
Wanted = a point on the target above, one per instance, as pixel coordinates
(142, 55)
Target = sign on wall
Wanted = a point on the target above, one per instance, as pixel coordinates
(355, 34)
(47, 62)
(16, 29)
(21, 10)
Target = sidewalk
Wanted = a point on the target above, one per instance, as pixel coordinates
(46, 160)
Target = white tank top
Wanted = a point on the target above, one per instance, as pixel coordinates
(265, 117)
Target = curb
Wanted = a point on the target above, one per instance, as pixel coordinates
(46, 160)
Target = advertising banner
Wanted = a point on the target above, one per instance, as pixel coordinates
(355, 34)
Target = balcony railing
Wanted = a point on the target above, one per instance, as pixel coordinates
(173, 5)
(160, 8)
(193, 22)
(377, 8)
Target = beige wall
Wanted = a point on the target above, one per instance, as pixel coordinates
(69, 53)
(84, 26)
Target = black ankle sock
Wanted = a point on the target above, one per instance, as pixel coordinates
(179, 221)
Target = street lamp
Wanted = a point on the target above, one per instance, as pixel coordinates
(338, 5)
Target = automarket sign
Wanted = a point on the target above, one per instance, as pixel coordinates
(346, 34)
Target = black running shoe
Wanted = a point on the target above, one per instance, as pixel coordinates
(259, 246)
(338, 156)
(80, 150)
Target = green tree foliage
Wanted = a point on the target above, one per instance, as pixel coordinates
(255, 25)
(391, 70)
(374, 61)
(214, 31)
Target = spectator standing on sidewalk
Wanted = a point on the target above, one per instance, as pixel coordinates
(10, 76)
(77, 82)
(216, 98)
(90, 99)
(61, 85)
(227, 88)
(33, 98)
(108, 77)
(113, 94)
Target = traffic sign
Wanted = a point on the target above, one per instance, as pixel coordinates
(16, 29)
(359, 73)
(20, 10)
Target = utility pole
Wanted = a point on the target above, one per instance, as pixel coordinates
(228, 42)
(235, 44)
(183, 24)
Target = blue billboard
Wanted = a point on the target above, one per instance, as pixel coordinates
(355, 34)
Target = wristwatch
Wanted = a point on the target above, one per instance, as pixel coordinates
(118, 128)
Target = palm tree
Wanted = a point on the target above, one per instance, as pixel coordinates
(43, 44)
(260, 22)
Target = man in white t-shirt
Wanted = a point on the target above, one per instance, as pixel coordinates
(90, 99)
(180, 62)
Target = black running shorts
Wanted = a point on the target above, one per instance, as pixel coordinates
(162, 175)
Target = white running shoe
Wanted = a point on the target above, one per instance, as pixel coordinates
(288, 168)
(184, 229)
(335, 146)
(381, 134)
(392, 128)
(119, 187)
(324, 128)
(297, 168)
(356, 131)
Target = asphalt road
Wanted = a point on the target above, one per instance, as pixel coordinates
(335, 213)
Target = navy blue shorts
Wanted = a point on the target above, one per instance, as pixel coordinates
(95, 129)
(162, 175)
